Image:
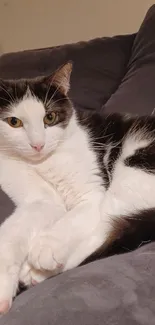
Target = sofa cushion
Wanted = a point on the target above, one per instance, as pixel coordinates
(99, 66)
(136, 93)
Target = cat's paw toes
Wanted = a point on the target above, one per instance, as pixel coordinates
(39, 276)
(43, 256)
(30, 277)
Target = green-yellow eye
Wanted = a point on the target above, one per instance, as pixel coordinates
(50, 118)
(14, 122)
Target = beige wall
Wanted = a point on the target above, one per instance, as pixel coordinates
(41, 23)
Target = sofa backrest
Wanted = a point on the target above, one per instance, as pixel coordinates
(114, 74)
(98, 67)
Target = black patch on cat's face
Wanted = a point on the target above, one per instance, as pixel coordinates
(13, 91)
(53, 99)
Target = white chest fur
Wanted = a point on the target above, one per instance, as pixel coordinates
(73, 170)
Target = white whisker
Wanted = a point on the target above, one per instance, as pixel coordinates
(53, 104)
(58, 87)
(48, 89)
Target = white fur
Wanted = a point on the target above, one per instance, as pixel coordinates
(63, 212)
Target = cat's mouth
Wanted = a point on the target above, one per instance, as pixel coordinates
(37, 157)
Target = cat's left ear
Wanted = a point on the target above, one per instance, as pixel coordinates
(61, 77)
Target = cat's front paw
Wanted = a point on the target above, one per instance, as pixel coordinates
(29, 276)
(47, 254)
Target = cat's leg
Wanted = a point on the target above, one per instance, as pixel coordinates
(38, 205)
(16, 235)
(13, 249)
(72, 239)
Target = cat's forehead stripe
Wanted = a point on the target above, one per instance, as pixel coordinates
(12, 92)
(28, 107)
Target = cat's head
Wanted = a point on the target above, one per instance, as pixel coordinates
(34, 114)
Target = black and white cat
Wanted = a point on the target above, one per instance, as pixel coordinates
(83, 183)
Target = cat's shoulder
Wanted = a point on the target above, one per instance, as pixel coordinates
(116, 123)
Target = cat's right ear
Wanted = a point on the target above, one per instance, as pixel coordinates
(61, 78)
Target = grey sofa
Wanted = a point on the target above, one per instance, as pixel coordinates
(110, 74)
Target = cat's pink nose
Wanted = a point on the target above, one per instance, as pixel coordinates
(38, 147)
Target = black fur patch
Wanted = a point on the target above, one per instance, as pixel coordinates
(128, 233)
(11, 92)
(111, 131)
(143, 159)
(105, 131)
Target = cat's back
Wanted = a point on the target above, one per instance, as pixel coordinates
(117, 138)
(106, 128)
(115, 135)
(130, 165)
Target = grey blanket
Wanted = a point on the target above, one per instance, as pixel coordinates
(119, 290)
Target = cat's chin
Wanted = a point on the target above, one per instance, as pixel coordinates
(37, 158)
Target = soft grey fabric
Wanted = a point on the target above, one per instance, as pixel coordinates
(115, 291)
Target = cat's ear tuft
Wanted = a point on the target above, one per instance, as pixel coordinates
(61, 77)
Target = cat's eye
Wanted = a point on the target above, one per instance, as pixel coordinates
(14, 122)
(50, 118)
